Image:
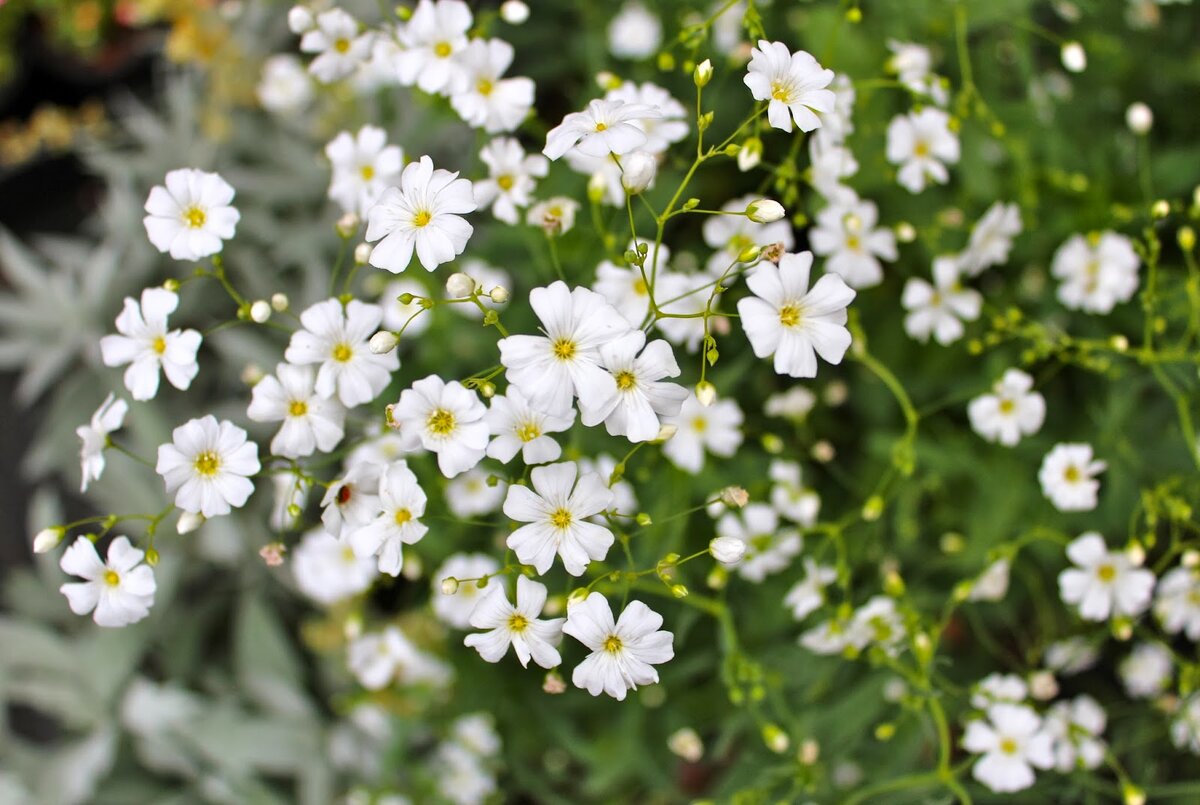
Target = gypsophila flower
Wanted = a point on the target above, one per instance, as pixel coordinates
(556, 510)
(454, 609)
(94, 437)
(379, 659)
(793, 84)
(1096, 272)
(469, 494)
(716, 428)
(769, 548)
(808, 595)
(487, 100)
(1147, 671)
(992, 584)
(668, 126)
(444, 418)
(912, 63)
(830, 164)
(147, 346)
(846, 234)
(624, 652)
(338, 43)
(795, 403)
(941, 308)
(477, 732)
(336, 338)
(1071, 656)
(511, 178)
(733, 234)
(1067, 477)
(461, 778)
(518, 427)
(789, 496)
(991, 239)
(1104, 582)
(624, 497)
(328, 570)
(922, 144)
(364, 165)
(310, 421)
(787, 320)
(878, 621)
(556, 215)
(398, 524)
(1177, 602)
(1011, 742)
(1075, 728)
(422, 216)
(118, 592)
(516, 625)
(605, 127)
(1012, 410)
(1185, 728)
(207, 466)
(352, 500)
(999, 688)
(634, 33)
(191, 216)
(284, 87)
(643, 398)
(430, 42)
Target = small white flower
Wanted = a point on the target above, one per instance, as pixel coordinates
(147, 346)
(1075, 728)
(643, 399)
(487, 100)
(1185, 729)
(991, 238)
(1067, 477)
(941, 308)
(1071, 656)
(431, 40)
(285, 87)
(462, 778)
(1139, 118)
(624, 498)
(790, 497)
(1096, 273)
(514, 12)
(518, 427)
(207, 466)
(310, 421)
(518, 626)
(381, 658)
(1104, 582)
(423, 215)
(716, 428)
(1177, 602)
(794, 84)
(795, 403)
(120, 590)
(669, 126)
(605, 127)
(403, 503)
(830, 165)
(808, 595)
(624, 652)
(337, 339)
(512, 178)
(992, 584)
(769, 548)
(444, 418)
(556, 510)
(466, 568)
(340, 47)
(191, 216)
(638, 169)
(1012, 410)
(327, 570)
(846, 234)
(94, 436)
(364, 165)
(634, 33)
(877, 621)
(352, 501)
(1012, 742)
(787, 320)
(997, 688)
(922, 144)
(837, 124)
(469, 494)
(1074, 57)
(556, 215)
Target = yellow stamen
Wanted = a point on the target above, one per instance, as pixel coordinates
(442, 50)
(298, 408)
(612, 644)
(440, 422)
(207, 463)
(403, 516)
(368, 172)
(342, 353)
(626, 380)
(564, 349)
(1008, 746)
(1106, 572)
(422, 218)
(194, 217)
(1072, 474)
(341, 45)
(518, 623)
(506, 182)
(160, 345)
(528, 432)
(111, 578)
(789, 315)
(560, 519)
(484, 87)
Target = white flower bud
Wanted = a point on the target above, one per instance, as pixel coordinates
(189, 522)
(449, 585)
(383, 342)
(260, 311)
(705, 393)
(764, 211)
(703, 73)
(1043, 686)
(362, 253)
(48, 539)
(1074, 57)
(749, 154)
(459, 285)
(499, 294)
(810, 751)
(735, 496)
(1139, 118)
(666, 431)
(279, 302)
(514, 12)
(637, 171)
(347, 225)
(597, 187)
(727, 550)
(251, 374)
(686, 744)
(300, 20)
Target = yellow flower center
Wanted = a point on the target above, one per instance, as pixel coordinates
(159, 345)
(194, 217)
(442, 50)
(760, 542)
(780, 92)
(921, 149)
(1008, 746)
(441, 422)
(342, 353)
(348, 554)
(601, 126)
(626, 380)
(1072, 474)
(422, 218)
(560, 519)
(699, 424)
(853, 243)
(564, 349)
(1007, 406)
(789, 315)
(506, 182)
(207, 463)
(518, 623)
(112, 578)
(368, 172)
(639, 287)
(297, 408)
(528, 432)
(612, 644)
(935, 299)
(1106, 572)
(484, 86)
(403, 516)
(341, 45)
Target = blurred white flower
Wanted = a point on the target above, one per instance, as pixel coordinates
(1067, 476)
(94, 437)
(1104, 583)
(1012, 410)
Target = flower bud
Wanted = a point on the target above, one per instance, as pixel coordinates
(1074, 57)
(1139, 118)
(260, 311)
(905, 232)
(449, 585)
(189, 522)
(412, 567)
(823, 452)
(1133, 795)
(251, 374)
(383, 342)
(554, 683)
(48, 539)
(775, 738)
(608, 80)
(272, 553)
(1186, 237)
(300, 20)
(810, 750)
(514, 12)
(685, 743)
(643, 519)
(347, 225)
(665, 431)
(459, 285)
(362, 253)
(499, 294)
(703, 73)
(750, 254)
(727, 550)
(735, 497)
(764, 211)
(637, 171)
(279, 302)
(706, 393)
(750, 154)
(1043, 686)
(597, 187)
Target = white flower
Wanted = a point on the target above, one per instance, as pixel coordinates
(624, 498)
(765, 211)
(642, 397)
(623, 653)
(327, 570)
(1075, 728)
(727, 550)
(877, 621)
(364, 165)
(514, 12)
(337, 40)
(638, 169)
(793, 83)
(444, 418)
(337, 339)
(285, 87)
(1011, 742)
(847, 235)
(1139, 118)
(517, 626)
(831, 164)
(207, 466)
(795, 403)
(487, 100)
(997, 688)
(555, 215)
(912, 64)
(379, 659)
(838, 124)
(431, 39)
(1104, 582)
(1071, 656)
(605, 127)
(411, 318)
(786, 319)
(939, 309)
(423, 215)
(120, 590)
(992, 584)
(922, 144)
(808, 594)
(518, 427)
(634, 33)
(94, 436)
(512, 178)
(403, 503)
(789, 496)
(991, 238)
(462, 779)
(566, 360)
(733, 234)
(477, 732)
(310, 421)
(145, 344)
(1177, 602)
(1011, 411)
(469, 494)
(716, 428)
(1067, 477)
(1096, 273)
(466, 568)
(1185, 729)
(191, 216)
(352, 500)
(556, 510)
(668, 126)
(769, 548)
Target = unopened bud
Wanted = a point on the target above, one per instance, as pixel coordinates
(300, 20)
(1074, 57)
(764, 211)
(459, 285)
(1139, 118)
(597, 187)
(810, 750)
(412, 567)
(499, 294)
(703, 73)
(775, 738)
(48, 539)
(279, 302)
(251, 374)
(189, 522)
(685, 743)
(514, 12)
(362, 253)
(1133, 795)
(1186, 237)
(735, 497)
(823, 452)
(1160, 208)
(171, 285)
(905, 232)
(750, 154)
(637, 171)
(666, 431)
(260, 311)
(727, 550)
(679, 591)
(449, 585)
(347, 225)
(1043, 686)
(643, 519)
(706, 393)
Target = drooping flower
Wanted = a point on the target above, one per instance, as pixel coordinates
(624, 653)
(432, 39)
(147, 346)
(444, 418)
(1067, 476)
(191, 216)
(516, 625)
(364, 165)
(310, 421)
(94, 437)
(922, 144)
(118, 592)
(1012, 410)
(422, 215)
(556, 511)
(1011, 742)
(793, 84)
(398, 524)
(208, 465)
(337, 338)
(1104, 583)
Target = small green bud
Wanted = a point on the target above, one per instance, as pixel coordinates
(775, 738)
(885, 731)
(151, 557)
(643, 519)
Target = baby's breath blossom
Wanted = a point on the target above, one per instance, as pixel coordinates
(147, 346)
(634, 33)
(668, 126)
(364, 165)
(605, 127)
(379, 659)
(769, 548)
(830, 164)
(207, 466)
(912, 63)
(1012, 410)
(454, 609)
(518, 427)
(1096, 273)
(431, 41)
(1104, 583)
(556, 215)
(1185, 728)
(191, 215)
(643, 398)
(469, 495)
(789, 496)
(733, 234)
(94, 437)
(1075, 728)
(794, 85)
(1177, 602)
(352, 500)
(341, 48)
(556, 510)
(422, 216)
(444, 418)
(941, 308)
(328, 570)
(516, 625)
(284, 87)
(512, 178)
(992, 584)
(716, 428)
(398, 524)
(846, 234)
(808, 595)
(487, 100)
(1011, 742)
(922, 144)
(624, 652)
(996, 688)
(336, 338)
(991, 238)
(119, 591)
(310, 421)
(1147, 671)
(1067, 476)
